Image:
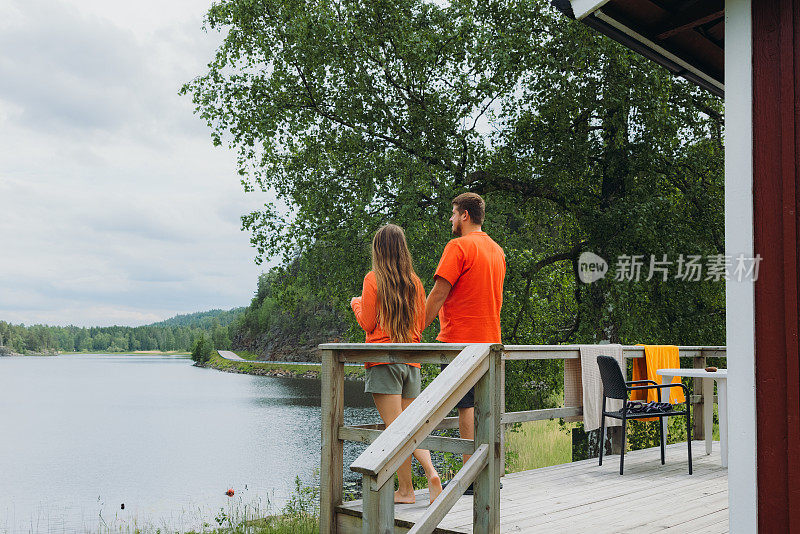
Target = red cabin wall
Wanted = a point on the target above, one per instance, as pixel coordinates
(776, 191)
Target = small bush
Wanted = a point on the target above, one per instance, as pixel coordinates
(202, 349)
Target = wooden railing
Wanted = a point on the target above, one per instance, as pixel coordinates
(479, 365)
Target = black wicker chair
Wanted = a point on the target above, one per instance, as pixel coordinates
(615, 387)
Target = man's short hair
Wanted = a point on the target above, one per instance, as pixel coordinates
(473, 204)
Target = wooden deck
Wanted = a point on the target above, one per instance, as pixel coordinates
(584, 497)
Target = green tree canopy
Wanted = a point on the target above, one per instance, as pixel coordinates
(357, 113)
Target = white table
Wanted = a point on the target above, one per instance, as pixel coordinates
(721, 378)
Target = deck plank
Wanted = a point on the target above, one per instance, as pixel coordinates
(582, 496)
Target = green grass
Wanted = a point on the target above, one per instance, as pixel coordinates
(276, 524)
(281, 524)
(537, 444)
(715, 433)
(298, 516)
(236, 518)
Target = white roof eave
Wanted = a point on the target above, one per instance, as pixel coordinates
(583, 8)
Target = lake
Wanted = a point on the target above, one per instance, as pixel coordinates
(84, 434)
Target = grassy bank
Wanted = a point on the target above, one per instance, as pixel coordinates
(298, 516)
(122, 353)
(282, 523)
(89, 353)
(240, 521)
(275, 369)
(278, 524)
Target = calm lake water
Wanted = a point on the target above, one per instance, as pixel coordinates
(83, 434)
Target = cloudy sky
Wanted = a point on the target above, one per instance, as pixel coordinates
(114, 206)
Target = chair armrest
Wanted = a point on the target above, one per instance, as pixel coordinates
(663, 386)
(642, 382)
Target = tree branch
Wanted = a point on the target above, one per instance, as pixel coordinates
(571, 254)
(485, 181)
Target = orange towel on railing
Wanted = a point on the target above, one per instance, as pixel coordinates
(657, 357)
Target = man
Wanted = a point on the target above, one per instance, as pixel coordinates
(468, 290)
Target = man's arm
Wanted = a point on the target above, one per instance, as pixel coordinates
(441, 288)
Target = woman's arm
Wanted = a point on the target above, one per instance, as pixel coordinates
(365, 307)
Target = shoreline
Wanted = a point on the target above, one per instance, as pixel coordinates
(72, 353)
(8, 352)
(276, 370)
(128, 352)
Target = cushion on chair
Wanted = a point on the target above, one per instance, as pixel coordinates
(637, 410)
(650, 407)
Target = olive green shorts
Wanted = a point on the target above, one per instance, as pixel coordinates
(394, 379)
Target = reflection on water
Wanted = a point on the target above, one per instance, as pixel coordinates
(83, 434)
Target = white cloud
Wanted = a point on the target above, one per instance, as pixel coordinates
(114, 206)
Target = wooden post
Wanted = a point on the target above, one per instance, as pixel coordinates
(486, 503)
(378, 510)
(502, 411)
(330, 473)
(698, 426)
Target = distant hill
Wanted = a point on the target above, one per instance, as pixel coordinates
(204, 320)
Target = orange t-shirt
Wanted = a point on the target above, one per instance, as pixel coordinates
(475, 266)
(366, 309)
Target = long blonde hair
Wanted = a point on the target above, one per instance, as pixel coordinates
(397, 289)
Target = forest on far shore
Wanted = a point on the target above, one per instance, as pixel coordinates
(179, 333)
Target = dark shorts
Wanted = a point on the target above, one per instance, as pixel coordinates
(468, 401)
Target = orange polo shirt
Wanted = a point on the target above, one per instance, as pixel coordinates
(475, 266)
(366, 309)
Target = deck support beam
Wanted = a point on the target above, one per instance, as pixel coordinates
(740, 314)
(332, 407)
(378, 517)
(698, 421)
(486, 503)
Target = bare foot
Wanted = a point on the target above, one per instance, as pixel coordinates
(434, 487)
(404, 498)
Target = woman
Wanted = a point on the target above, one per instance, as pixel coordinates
(391, 309)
